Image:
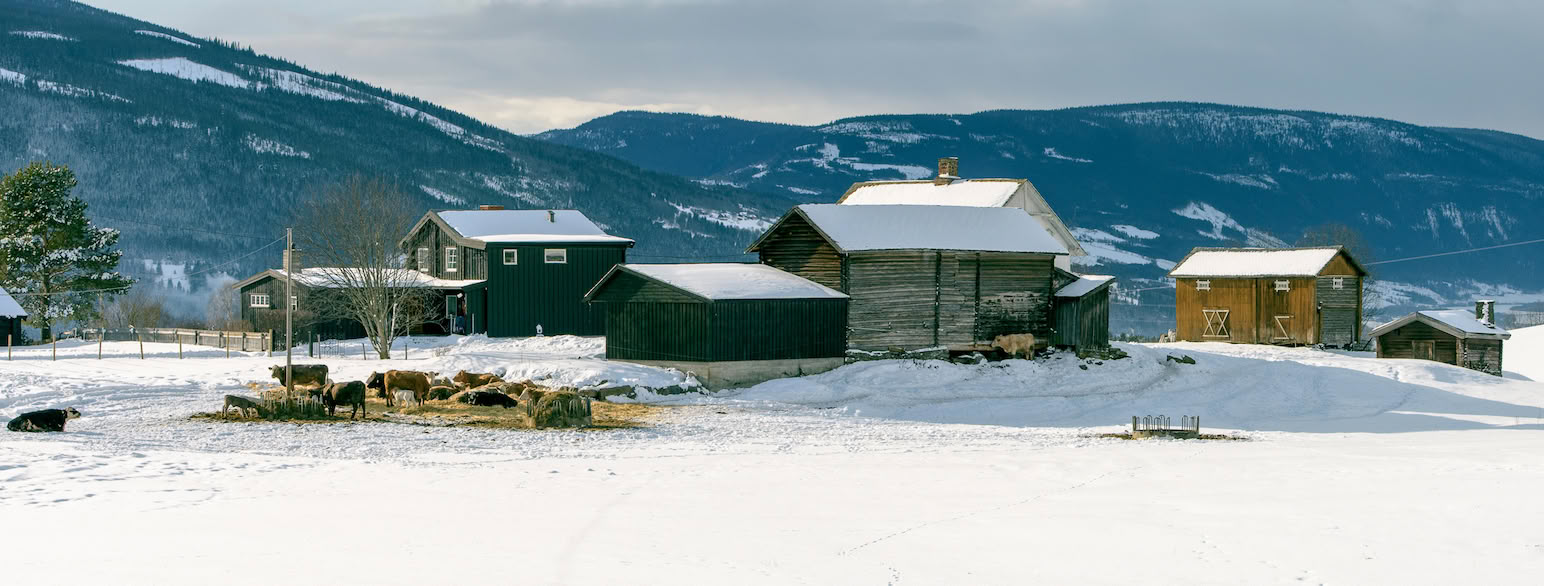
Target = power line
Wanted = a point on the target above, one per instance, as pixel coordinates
(193, 274)
(182, 228)
(1383, 262)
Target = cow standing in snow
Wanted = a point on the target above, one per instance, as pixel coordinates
(45, 420)
(1013, 344)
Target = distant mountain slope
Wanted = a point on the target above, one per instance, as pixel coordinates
(168, 129)
(1144, 183)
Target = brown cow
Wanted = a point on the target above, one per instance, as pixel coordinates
(350, 393)
(1013, 344)
(407, 380)
(472, 380)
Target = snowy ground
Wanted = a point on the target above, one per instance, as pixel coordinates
(1357, 471)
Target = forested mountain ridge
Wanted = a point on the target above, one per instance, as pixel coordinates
(198, 150)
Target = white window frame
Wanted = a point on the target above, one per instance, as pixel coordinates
(1204, 285)
(294, 303)
(511, 256)
(450, 308)
(1283, 285)
(1338, 283)
(561, 257)
(423, 259)
(452, 259)
(259, 300)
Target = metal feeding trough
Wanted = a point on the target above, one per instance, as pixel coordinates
(1161, 426)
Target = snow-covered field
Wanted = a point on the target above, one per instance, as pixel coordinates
(1357, 471)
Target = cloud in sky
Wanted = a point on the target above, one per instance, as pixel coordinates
(534, 65)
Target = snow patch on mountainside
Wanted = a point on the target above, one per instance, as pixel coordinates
(302, 84)
(190, 70)
(156, 121)
(14, 77)
(1051, 152)
(1285, 129)
(1220, 221)
(442, 196)
(744, 219)
(889, 131)
(171, 38)
(1382, 294)
(1135, 232)
(801, 190)
(65, 89)
(831, 154)
(514, 187)
(1261, 181)
(42, 35)
(1100, 246)
(273, 147)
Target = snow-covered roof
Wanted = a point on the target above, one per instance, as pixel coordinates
(920, 227)
(735, 281)
(331, 277)
(1255, 262)
(987, 193)
(1084, 285)
(515, 226)
(1457, 322)
(9, 307)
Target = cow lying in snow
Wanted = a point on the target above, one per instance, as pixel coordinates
(472, 380)
(1014, 344)
(406, 380)
(45, 420)
(350, 393)
(305, 374)
(242, 405)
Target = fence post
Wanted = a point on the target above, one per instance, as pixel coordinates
(56, 348)
(270, 343)
(8, 347)
(179, 346)
(141, 337)
(363, 355)
(102, 336)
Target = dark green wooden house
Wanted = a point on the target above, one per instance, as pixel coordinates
(727, 323)
(532, 267)
(11, 316)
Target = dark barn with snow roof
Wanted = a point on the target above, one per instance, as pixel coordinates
(728, 323)
(1452, 336)
(11, 316)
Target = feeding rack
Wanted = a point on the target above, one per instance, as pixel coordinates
(1161, 426)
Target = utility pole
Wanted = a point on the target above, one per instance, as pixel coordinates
(289, 326)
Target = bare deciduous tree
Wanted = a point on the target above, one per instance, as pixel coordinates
(348, 233)
(137, 309)
(224, 310)
(1335, 234)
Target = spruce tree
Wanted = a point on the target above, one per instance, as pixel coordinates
(52, 259)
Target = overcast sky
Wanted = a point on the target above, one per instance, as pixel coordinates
(535, 65)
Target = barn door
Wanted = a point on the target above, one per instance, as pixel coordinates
(1282, 329)
(1336, 324)
(1216, 323)
(1425, 349)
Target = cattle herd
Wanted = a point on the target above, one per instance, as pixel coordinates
(546, 407)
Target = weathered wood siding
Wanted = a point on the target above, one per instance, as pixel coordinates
(1238, 296)
(1400, 342)
(1083, 322)
(1287, 317)
(894, 299)
(11, 326)
(472, 263)
(1482, 355)
(534, 292)
(1015, 295)
(799, 249)
(1340, 310)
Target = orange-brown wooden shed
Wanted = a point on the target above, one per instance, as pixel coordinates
(1286, 296)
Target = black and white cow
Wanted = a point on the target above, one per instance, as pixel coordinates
(45, 420)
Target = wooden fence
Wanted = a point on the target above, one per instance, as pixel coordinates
(239, 341)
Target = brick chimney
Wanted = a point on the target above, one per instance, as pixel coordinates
(488, 206)
(1485, 311)
(948, 170)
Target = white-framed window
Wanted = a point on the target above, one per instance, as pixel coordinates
(1338, 283)
(294, 303)
(1203, 285)
(423, 259)
(555, 255)
(258, 299)
(511, 256)
(1283, 285)
(452, 259)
